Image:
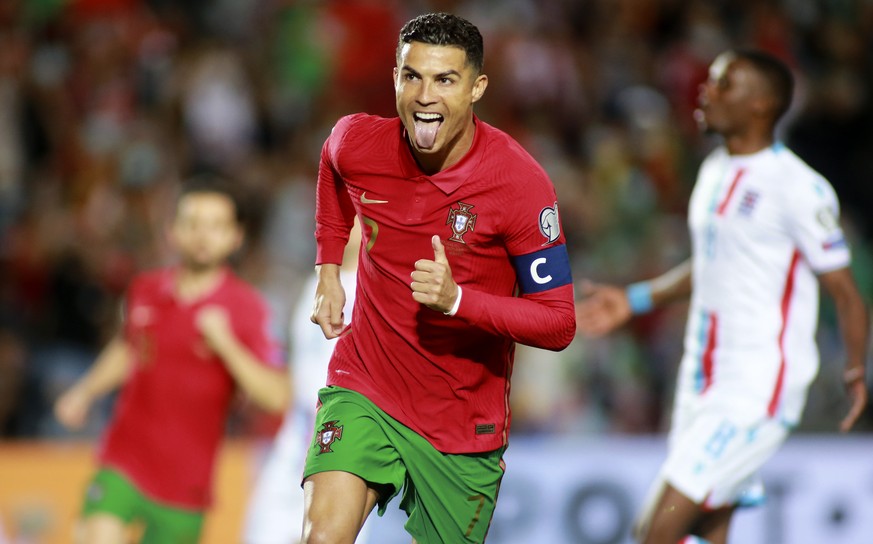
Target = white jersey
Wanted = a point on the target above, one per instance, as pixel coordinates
(275, 509)
(762, 226)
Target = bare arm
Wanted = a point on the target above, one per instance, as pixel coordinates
(330, 297)
(108, 372)
(267, 387)
(604, 307)
(854, 326)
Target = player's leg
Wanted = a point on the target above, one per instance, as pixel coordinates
(351, 465)
(644, 517)
(672, 519)
(713, 526)
(711, 468)
(110, 505)
(336, 505)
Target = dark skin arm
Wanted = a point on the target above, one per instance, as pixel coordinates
(604, 308)
(854, 326)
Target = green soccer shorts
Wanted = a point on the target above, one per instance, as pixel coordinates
(112, 493)
(447, 497)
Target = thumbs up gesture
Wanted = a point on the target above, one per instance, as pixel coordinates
(432, 283)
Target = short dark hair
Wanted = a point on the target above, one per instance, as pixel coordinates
(213, 183)
(445, 29)
(777, 75)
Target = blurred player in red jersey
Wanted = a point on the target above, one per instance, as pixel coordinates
(193, 333)
(462, 257)
(766, 233)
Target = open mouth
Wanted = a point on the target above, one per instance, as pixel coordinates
(426, 127)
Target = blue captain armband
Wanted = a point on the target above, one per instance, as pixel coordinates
(543, 270)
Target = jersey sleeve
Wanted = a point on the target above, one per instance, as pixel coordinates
(334, 212)
(255, 331)
(544, 314)
(814, 222)
(127, 303)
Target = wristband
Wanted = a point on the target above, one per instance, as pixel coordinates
(639, 296)
(853, 375)
(456, 305)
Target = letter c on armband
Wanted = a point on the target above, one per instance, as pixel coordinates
(535, 274)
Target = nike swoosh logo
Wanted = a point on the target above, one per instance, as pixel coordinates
(365, 200)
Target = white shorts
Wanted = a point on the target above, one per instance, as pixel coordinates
(716, 449)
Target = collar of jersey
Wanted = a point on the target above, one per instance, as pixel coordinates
(168, 286)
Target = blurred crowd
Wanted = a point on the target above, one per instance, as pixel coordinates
(106, 105)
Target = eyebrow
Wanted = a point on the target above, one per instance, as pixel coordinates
(407, 68)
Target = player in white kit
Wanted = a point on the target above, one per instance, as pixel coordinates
(765, 233)
(275, 508)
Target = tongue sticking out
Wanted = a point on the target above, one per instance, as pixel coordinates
(425, 133)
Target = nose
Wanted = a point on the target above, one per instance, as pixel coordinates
(426, 94)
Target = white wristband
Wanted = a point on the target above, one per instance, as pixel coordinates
(457, 303)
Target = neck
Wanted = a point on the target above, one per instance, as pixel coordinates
(755, 138)
(747, 147)
(192, 283)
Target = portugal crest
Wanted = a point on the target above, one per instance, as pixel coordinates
(329, 434)
(461, 221)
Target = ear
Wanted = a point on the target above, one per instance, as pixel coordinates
(479, 87)
(763, 105)
(394, 75)
(240, 238)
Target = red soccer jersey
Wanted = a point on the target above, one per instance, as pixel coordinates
(170, 415)
(496, 213)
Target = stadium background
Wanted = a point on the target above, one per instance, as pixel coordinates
(106, 104)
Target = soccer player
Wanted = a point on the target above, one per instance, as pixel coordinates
(193, 334)
(765, 226)
(462, 257)
(275, 509)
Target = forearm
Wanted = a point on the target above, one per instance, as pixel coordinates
(266, 386)
(673, 285)
(327, 274)
(854, 326)
(545, 320)
(109, 371)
